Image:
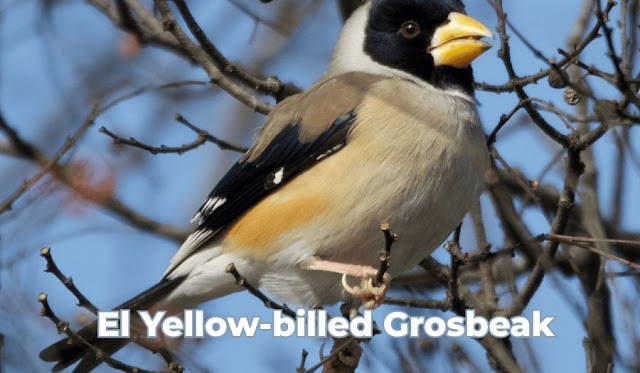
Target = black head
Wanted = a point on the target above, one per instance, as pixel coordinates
(414, 35)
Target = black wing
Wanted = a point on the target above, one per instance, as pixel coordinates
(246, 183)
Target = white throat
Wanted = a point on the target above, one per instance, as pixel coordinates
(349, 55)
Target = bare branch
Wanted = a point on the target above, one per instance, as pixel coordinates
(83, 302)
(162, 149)
(385, 254)
(63, 327)
(51, 165)
(242, 281)
(271, 85)
(224, 145)
(200, 56)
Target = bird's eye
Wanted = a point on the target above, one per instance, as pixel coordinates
(409, 29)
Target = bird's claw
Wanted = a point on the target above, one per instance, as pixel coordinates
(371, 296)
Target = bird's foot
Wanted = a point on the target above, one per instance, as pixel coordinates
(371, 296)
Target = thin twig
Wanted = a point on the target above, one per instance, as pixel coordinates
(579, 242)
(303, 360)
(222, 144)
(271, 85)
(202, 58)
(152, 88)
(453, 282)
(505, 55)
(63, 327)
(348, 343)
(484, 248)
(575, 168)
(32, 153)
(162, 149)
(385, 255)
(442, 305)
(242, 281)
(52, 268)
(52, 166)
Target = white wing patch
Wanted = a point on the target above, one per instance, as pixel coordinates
(274, 179)
(277, 177)
(329, 152)
(209, 207)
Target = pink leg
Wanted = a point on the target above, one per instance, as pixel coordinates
(354, 270)
(371, 296)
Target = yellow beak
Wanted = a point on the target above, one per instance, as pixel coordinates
(457, 42)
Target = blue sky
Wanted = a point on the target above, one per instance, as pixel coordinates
(43, 92)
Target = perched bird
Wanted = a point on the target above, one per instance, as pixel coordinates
(389, 134)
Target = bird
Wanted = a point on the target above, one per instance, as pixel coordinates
(390, 133)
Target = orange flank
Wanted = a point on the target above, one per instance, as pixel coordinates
(256, 233)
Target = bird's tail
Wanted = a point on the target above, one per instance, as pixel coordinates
(67, 351)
